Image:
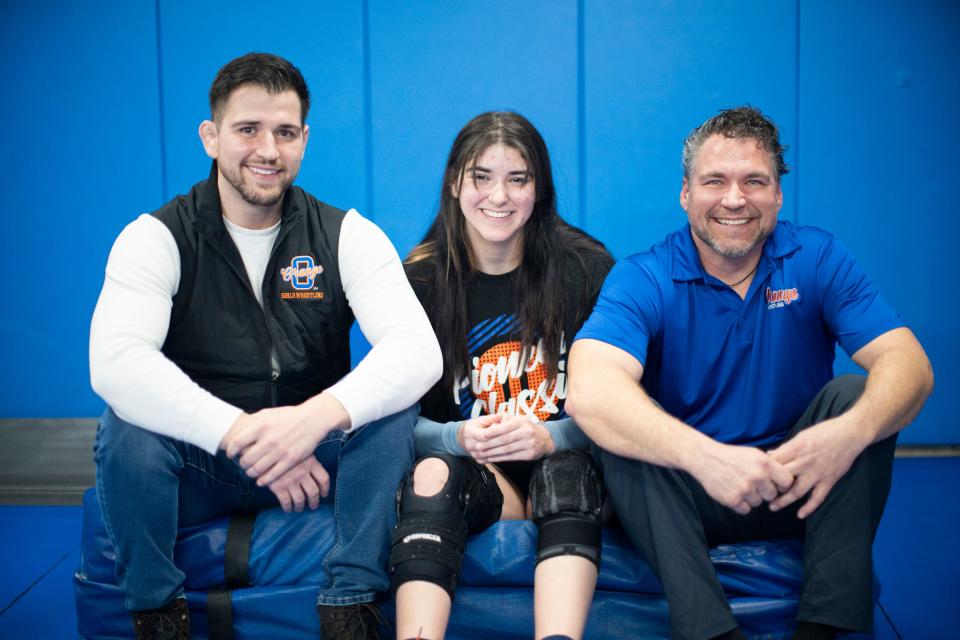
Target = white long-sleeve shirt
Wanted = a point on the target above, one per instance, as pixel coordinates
(144, 387)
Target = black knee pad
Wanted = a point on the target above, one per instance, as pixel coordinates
(431, 533)
(566, 492)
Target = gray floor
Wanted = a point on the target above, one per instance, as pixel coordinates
(46, 462)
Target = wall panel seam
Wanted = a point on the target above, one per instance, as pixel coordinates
(796, 119)
(367, 112)
(160, 110)
(581, 120)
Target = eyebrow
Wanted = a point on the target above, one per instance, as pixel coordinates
(249, 123)
(512, 173)
(720, 174)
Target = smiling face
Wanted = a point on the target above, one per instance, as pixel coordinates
(732, 198)
(496, 195)
(258, 144)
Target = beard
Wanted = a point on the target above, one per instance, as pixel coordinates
(250, 193)
(733, 249)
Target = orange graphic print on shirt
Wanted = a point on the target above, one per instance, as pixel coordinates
(503, 381)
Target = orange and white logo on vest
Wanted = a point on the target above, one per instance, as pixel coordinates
(302, 272)
(781, 297)
(302, 276)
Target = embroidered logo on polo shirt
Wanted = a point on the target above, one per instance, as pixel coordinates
(302, 276)
(781, 297)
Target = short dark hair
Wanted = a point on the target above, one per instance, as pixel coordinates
(265, 70)
(741, 122)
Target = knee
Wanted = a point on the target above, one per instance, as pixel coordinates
(567, 480)
(566, 493)
(121, 445)
(442, 499)
(398, 427)
(429, 476)
(393, 433)
(841, 392)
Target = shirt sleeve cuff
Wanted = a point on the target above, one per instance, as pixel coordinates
(355, 402)
(566, 434)
(210, 423)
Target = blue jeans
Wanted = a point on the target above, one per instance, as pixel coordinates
(149, 485)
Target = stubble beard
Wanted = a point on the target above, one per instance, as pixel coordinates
(732, 251)
(251, 194)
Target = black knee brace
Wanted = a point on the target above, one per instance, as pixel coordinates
(431, 533)
(566, 493)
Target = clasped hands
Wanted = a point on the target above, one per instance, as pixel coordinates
(742, 478)
(499, 438)
(276, 447)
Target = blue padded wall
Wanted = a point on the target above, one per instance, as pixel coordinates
(434, 66)
(878, 156)
(653, 72)
(325, 40)
(105, 102)
(82, 153)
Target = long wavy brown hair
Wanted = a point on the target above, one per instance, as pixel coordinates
(443, 263)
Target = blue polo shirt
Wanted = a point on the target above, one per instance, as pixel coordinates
(740, 371)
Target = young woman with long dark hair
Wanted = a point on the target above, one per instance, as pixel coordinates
(506, 284)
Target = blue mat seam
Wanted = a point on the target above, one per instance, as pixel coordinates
(38, 580)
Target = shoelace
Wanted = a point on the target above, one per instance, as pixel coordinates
(166, 625)
(358, 616)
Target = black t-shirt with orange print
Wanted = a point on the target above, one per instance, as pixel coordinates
(502, 379)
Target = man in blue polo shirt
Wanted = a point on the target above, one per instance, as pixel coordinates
(738, 429)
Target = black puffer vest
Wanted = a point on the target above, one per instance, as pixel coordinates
(221, 336)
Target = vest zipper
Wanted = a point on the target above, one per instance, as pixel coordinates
(242, 274)
(271, 356)
(271, 352)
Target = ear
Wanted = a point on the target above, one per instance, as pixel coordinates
(684, 192)
(779, 196)
(306, 134)
(210, 137)
(455, 188)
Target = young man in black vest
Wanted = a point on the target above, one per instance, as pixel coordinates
(221, 343)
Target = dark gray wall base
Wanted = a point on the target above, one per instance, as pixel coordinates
(50, 461)
(46, 461)
(928, 451)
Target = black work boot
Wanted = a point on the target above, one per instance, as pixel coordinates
(351, 622)
(170, 622)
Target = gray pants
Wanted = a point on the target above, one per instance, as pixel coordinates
(674, 522)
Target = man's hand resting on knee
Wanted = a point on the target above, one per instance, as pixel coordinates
(302, 486)
(739, 477)
(817, 457)
(271, 442)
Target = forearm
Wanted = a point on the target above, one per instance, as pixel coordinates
(898, 383)
(616, 413)
(146, 389)
(566, 434)
(327, 413)
(431, 437)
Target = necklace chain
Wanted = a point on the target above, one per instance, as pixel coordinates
(744, 278)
